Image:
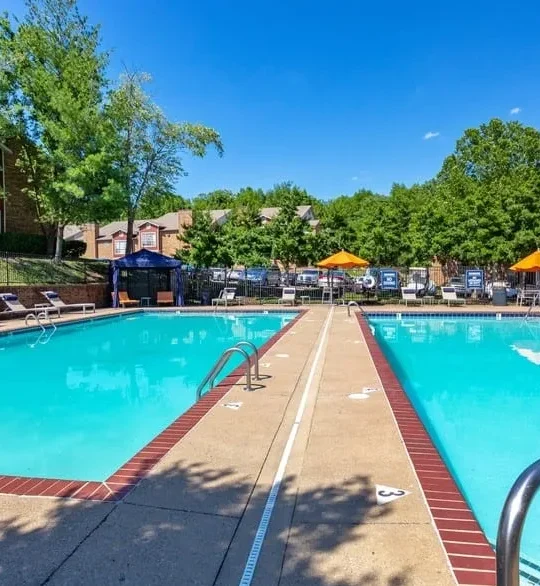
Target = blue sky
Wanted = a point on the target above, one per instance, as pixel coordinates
(334, 96)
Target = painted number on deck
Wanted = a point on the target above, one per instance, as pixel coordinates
(387, 494)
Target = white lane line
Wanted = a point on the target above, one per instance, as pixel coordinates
(253, 557)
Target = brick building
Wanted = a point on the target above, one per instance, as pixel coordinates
(161, 234)
(18, 212)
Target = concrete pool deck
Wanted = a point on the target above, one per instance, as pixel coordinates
(193, 519)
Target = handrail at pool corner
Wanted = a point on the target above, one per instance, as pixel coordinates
(354, 304)
(46, 316)
(535, 299)
(255, 354)
(218, 366)
(511, 524)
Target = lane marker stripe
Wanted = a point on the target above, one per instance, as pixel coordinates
(253, 557)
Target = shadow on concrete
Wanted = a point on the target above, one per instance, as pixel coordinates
(177, 528)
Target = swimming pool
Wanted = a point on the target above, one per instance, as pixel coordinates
(79, 403)
(475, 384)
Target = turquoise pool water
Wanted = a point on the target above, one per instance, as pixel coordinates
(476, 386)
(81, 403)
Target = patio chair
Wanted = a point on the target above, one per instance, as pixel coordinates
(288, 295)
(226, 297)
(165, 298)
(124, 300)
(14, 306)
(55, 300)
(449, 295)
(410, 296)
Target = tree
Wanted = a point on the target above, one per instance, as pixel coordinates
(145, 146)
(154, 207)
(289, 234)
(220, 199)
(52, 82)
(201, 241)
(246, 239)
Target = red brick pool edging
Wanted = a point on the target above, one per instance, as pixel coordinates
(119, 484)
(471, 557)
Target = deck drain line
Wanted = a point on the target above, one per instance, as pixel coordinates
(253, 557)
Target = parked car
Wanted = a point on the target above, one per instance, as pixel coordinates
(309, 277)
(337, 278)
(458, 283)
(236, 275)
(418, 279)
(511, 292)
(266, 276)
(289, 278)
(217, 274)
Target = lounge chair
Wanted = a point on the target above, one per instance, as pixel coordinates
(165, 298)
(226, 297)
(449, 295)
(55, 301)
(288, 295)
(124, 300)
(409, 296)
(14, 306)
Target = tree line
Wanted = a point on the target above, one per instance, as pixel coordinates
(481, 209)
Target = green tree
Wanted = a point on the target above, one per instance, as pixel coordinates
(145, 147)
(154, 207)
(220, 199)
(201, 243)
(246, 239)
(52, 83)
(289, 234)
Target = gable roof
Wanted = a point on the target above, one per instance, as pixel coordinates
(271, 213)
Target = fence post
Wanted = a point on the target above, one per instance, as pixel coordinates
(7, 268)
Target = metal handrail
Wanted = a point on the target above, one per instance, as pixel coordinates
(218, 366)
(36, 317)
(533, 303)
(255, 353)
(48, 318)
(354, 304)
(511, 524)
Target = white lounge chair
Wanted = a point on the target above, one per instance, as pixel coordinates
(14, 306)
(449, 295)
(288, 295)
(226, 297)
(54, 299)
(409, 296)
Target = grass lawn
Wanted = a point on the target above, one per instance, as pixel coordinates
(40, 271)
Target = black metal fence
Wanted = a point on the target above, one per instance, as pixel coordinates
(201, 287)
(25, 269)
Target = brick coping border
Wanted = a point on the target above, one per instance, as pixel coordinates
(471, 557)
(121, 482)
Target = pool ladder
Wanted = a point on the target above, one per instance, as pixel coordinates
(354, 304)
(224, 358)
(511, 524)
(534, 302)
(38, 317)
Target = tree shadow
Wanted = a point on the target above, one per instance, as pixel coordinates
(177, 526)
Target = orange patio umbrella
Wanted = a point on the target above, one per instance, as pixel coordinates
(528, 264)
(342, 260)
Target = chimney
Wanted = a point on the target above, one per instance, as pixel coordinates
(185, 219)
(91, 234)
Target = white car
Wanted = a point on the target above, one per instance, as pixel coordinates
(309, 277)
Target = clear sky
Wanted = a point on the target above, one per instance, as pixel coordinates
(334, 96)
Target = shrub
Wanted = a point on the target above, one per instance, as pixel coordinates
(23, 243)
(74, 248)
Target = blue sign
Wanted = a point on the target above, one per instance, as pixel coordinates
(389, 279)
(474, 279)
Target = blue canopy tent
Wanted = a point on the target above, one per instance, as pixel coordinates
(146, 259)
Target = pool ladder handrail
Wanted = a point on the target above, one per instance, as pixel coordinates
(38, 317)
(222, 361)
(511, 524)
(534, 301)
(355, 304)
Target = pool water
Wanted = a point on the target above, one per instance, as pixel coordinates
(81, 402)
(476, 386)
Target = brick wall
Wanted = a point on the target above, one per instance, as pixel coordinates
(21, 213)
(169, 242)
(30, 294)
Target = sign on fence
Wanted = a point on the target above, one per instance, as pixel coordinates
(474, 279)
(389, 280)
